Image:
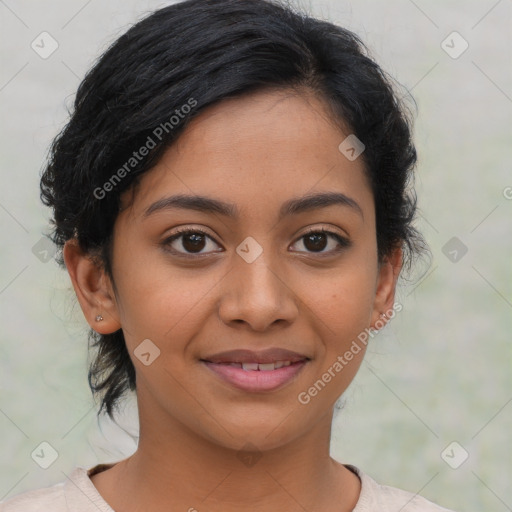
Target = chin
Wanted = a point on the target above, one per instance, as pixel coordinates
(261, 433)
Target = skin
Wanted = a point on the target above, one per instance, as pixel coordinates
(256, 152)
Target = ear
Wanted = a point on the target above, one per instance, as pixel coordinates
(93, 289)
(387, 277)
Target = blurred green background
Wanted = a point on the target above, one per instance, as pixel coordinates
(439, 373)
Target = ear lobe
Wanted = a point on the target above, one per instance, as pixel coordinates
(93, 289)
(387, 278)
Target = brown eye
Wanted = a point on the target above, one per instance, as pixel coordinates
(193, 242)
(316, 241)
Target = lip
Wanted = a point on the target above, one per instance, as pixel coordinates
(256, 380)
(269, 355)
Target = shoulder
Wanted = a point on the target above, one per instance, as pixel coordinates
(39, 500)
(384, 498)
(75, 494)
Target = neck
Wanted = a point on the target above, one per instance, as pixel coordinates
(173, 464)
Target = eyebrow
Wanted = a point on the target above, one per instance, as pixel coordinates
(293, 206)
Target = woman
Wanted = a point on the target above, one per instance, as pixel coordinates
(231, 197)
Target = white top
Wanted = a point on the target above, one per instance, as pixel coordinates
(78, 494)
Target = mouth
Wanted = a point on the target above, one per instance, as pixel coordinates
(256, 371)
(259, 366)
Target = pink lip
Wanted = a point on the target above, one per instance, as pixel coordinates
(251, 356)
(256, 380)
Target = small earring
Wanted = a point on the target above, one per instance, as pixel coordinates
(99, 318)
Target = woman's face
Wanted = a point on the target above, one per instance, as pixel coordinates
(253, 281)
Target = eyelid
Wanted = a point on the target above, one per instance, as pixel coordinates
(343, 240)
(324, 229)
(184, 230)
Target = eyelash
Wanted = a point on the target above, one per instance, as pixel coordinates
(342, 241)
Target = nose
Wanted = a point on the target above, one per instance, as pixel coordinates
(257, 295)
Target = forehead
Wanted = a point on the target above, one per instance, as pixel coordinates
(257, 124)
(257, 150)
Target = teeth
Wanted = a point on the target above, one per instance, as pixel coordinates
(250, 366)
(260, 366)
(263, 366)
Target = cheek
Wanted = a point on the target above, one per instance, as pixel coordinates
(340, 308)
(160, 302)
(342, 300)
